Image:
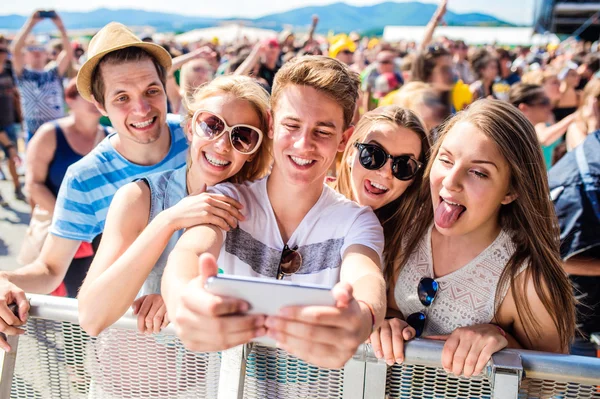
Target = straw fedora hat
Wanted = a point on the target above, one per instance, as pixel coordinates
(114, 36)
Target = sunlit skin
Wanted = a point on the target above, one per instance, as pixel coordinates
(552, 88)
(36, 60)
(234, 111)
(476, 177)
(395, 140)
(136, 101)
(308, 132)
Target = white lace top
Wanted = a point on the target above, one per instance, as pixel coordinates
(465, 297)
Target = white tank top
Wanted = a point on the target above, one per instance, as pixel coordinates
(465, 297)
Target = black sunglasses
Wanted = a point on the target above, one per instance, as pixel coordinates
(373, 157)
(427, 290)
(290, 262)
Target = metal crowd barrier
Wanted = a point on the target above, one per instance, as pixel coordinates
(56, 359)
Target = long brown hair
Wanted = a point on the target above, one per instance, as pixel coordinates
(530, 219)
(397, 217)
(244, 88)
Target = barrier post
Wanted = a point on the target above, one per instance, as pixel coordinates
(354, 379)
(505, 372)
(233, 372)
(8, 366)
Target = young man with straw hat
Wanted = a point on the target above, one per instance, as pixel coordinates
(125, 78)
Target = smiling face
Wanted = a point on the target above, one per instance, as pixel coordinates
(134, 100)
(308, 132)
(469, 183)
(377, 188)
(214, 161)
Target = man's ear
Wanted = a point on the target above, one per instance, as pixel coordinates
(270, 124)
(99, 107)
(509, 197)
(345, 137)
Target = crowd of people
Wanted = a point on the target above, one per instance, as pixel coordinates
(411, 178)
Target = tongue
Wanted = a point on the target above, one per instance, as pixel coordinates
(446, 214)
(374, 189)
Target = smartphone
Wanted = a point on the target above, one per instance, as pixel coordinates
(266, 296)
(47, 14)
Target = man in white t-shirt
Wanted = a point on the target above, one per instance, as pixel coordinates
(340, 242)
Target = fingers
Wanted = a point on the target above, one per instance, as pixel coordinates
(376, 343)
(322, 355)
(8, 316)
(386, 344)
(145, 306)
(321, 334)
(154, 319)
(342, 292)
(400, 332)
(137, 303)
(448, 352)
(323, 315)
(207, 304)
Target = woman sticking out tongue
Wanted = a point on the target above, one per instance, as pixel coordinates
(485, 272)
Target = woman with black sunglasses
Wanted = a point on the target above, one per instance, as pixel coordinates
(486, 272)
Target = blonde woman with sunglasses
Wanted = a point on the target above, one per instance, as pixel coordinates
(226, 126)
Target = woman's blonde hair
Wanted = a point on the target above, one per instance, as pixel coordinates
(243, 88)
(530, 219)
(396, 217)
(591, 90)
(539, 77)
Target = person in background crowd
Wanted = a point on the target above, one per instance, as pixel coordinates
(587, 116)
(41, 90)
(492, 226)
(195, 71)
(507, 75)
(10, 115)
(570, 98)
(265, 56)
(125, 78)
(56, 146)
(343, 50)
(462, 66)
(536, 103)
(485, 68)
(587, 69)
(424, 101)
(384, 64)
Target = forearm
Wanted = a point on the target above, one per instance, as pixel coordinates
(582, 266)
(35, 278)
(181, 268)
(370, 288)
(182, 59)
(429, 29)
(19, 40)
(549, 134)
(41, 195)
(248, 64)
(106, 298)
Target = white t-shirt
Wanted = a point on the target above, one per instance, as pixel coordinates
(332, 225)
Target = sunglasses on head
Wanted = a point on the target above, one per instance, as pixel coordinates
(290, 262)
(427, 290)
(373, 157)
(207, 125)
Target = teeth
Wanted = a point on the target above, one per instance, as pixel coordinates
(143, 124)
(301, 161)
(379, 186)
(451, 203)
(215, 161)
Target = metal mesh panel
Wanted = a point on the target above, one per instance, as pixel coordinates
(59, 360)
(272, 373)
(534, 388)
(415, 381)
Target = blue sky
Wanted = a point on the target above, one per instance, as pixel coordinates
(517, 11)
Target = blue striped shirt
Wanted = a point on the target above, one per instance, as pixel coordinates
(90, 184)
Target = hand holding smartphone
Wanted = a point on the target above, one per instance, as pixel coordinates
(267, 296)
(50, 14)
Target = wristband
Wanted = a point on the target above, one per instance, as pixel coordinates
(502, 332)
(372, 313)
